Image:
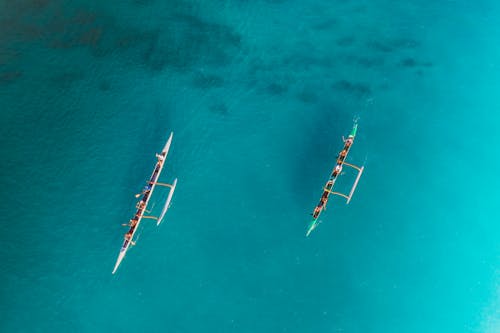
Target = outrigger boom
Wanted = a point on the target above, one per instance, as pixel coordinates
(143, 203)
(328, 189)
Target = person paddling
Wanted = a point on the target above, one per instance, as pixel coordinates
(128, 237)
(337, 170)
(160, 157)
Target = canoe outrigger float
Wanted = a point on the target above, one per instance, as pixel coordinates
(143, 203)
(327, 190)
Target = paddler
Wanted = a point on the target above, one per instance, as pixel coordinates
(160, 157)
(145, 190)
(140, 205)
(337, 170)
(132, 223)
(342, 154)
(128, 237)
(348, 142)
(316, 212)
(324, 199)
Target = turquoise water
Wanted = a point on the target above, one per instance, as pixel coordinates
(258, 95)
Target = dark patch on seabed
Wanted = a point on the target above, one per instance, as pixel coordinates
(214, 41)
(378, 46)
(276, 1)
(307, 61)
(8, 56)
(9, 76)
(203, 80)
(273, 78)
(67, 78)
(357, 89)
(346, 41)
(411, 63)
(190, 40)
(393, 45)
(142, 2)
(325, 25)
(307, 96)
(186, 41)
(276, 89)
(366, 62)
(219, 108)
(104, 85)
(359, 9)
(24, 6)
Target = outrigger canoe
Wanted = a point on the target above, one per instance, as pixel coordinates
(142, 205)
(328, 189)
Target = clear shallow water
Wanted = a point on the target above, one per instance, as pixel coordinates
(258, 95)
